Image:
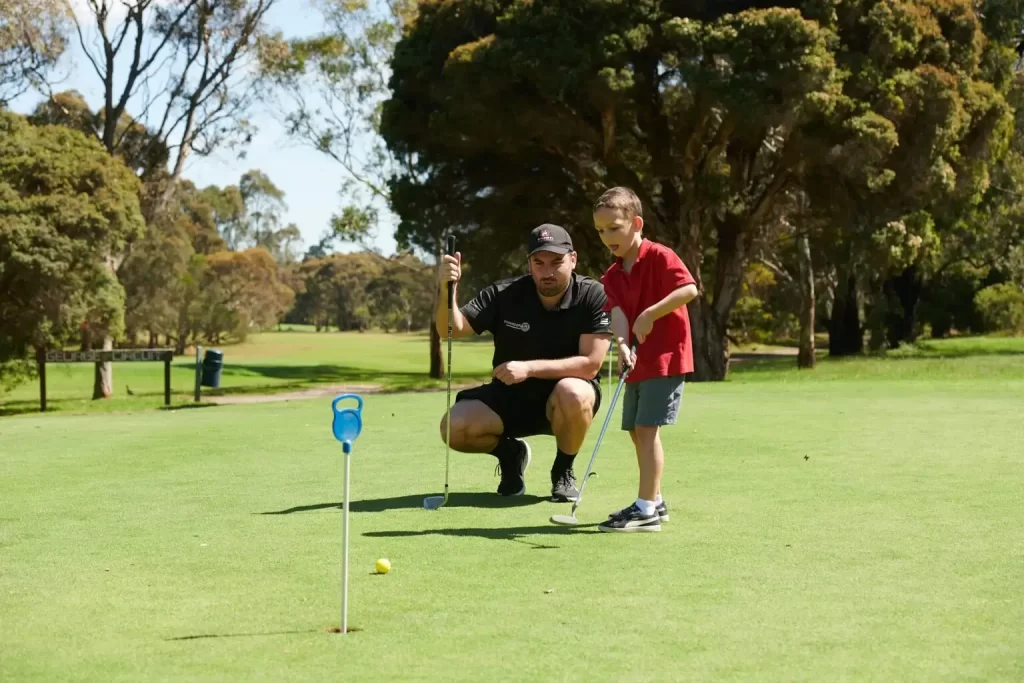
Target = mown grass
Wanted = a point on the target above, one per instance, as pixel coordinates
(852, 528)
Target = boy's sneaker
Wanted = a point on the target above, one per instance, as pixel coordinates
(563, 487)
(631, 519)
(513, 471)
(661, 509)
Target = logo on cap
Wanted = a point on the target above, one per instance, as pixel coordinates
(544, 235)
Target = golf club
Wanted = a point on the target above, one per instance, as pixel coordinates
(434, 502)
(570, 519)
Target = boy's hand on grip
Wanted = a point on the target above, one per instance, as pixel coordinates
(627, 359)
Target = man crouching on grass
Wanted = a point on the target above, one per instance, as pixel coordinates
(551, 336)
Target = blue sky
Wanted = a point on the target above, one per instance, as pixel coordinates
(309, 179)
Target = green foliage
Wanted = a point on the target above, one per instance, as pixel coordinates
(66, 207)
(15, 372)
(1002, 307)
(33, 36)
(239, 291)
(360, 291)
(332, 85)
(519, 113)
(135, 145)
(766, 309)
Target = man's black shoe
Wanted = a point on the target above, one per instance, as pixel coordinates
(563, 487)
(513, 471)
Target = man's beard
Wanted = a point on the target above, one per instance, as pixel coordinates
(549, 290)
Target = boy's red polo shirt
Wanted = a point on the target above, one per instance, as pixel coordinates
(657, 272)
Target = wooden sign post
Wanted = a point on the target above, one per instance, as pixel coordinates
(114, 356)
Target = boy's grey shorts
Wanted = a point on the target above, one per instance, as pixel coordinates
(652, 402)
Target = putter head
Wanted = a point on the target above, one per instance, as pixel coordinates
(565, 520)
(433, 502)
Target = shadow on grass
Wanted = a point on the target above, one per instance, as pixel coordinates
(455, 500)
(240, 635)
(753, 364)
(741, 364)
(11, 408)
(930, 350)
(516, 534)
(75, 406)
(300, 376)
(189, 406)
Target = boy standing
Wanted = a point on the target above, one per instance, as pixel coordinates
(648, 288)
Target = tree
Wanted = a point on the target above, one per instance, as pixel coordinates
(911, 144)
(240, 291)
(138, 147)
(162, 273)
(519, 113)
(228, 212)
(786, 251)
(33, 36)
(65, 206)
(361, 290)
(204, 49)
(332, 87)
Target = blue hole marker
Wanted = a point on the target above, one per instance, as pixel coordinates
(346, 424)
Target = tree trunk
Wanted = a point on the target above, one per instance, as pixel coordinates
(903, 294)
(709, 322)
(708, 318)
(710, 345)
(103, 379)
(845, 337)
(154, 340)
(805, 358)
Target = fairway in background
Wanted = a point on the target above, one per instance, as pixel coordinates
(297, 361)
(271, 362)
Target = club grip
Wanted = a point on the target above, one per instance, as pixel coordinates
(450, 250)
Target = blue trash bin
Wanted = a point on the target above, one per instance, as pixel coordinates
(213, 363)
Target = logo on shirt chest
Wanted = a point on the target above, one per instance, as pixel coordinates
(522, 327)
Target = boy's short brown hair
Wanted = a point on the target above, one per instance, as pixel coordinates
(621, 198)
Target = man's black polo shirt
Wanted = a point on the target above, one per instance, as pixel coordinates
(523, 329)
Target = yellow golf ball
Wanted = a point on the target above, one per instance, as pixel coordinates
(383, 565)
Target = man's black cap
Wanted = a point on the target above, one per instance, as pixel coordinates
(549, 237)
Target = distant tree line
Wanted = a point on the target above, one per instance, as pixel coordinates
(103, 243)
(853, 168)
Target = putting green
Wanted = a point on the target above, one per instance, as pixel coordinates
(820, 530)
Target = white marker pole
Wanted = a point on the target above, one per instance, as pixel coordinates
(344, 541)
(346, 425)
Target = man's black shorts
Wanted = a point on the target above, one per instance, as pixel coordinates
(522, 407)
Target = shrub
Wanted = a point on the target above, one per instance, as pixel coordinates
(1002, 307)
